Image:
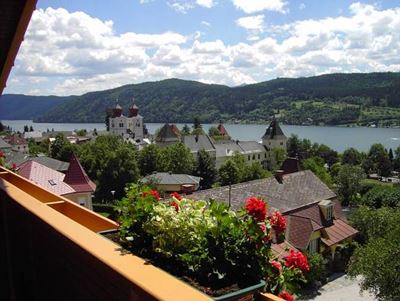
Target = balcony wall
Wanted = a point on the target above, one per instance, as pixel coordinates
(50, 250)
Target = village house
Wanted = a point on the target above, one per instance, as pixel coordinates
(170, 182)
(74, 184)
(17, 143)
(315, 221)
(167, 135)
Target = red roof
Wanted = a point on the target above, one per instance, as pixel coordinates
(337, 232)
(77, 178)
(16, 140)
(222, 130)
(46, 177)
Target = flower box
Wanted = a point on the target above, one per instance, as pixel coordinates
(245, 294)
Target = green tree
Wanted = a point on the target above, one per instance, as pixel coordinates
(205, 168)
(325, 152)
(278, 156)
(149, 159)
(2, 128)
(377, 261)
(294, 146)
(351, 156)
(62, 149)
(229, 173)
(348, 183)
(112, 163)
(185, 130)
(316, 165)
(380, 159)
(177, 158)
(382, 196)
(256, 171)
(396, 160)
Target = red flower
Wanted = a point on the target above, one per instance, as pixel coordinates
(286, 296)
(2, 155)
(176, 195)
(297, 260)
(277, 265)
(278, 222)
(13, 166)
(153, 193)
(257, 208)
(175, 204)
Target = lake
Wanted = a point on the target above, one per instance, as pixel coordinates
(338, 138)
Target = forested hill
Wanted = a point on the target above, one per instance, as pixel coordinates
(327, 99)
(16, 106)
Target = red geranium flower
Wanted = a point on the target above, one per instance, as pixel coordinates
(286, 296)
(277, 265)
(257, 208)
(13, 166)
(278, 222)
(176, 195)
(175, 204)
(297, 260)
(2, 155)
(153, 193)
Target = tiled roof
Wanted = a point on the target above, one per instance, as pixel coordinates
(274, 130)
(168, 131)
(165, 178)
(48, 178)
(222, 130)
(297, 190)
(226, 149)
(77, 178)
(299, 231)
(198, 142)
(52, 163)
(337, 232)
(16, 157)
(251, 146)
(282, 250)
(4, 144)
(16, 140)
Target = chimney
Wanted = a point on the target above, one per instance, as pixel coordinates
(279, 175)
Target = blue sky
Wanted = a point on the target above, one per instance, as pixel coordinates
(73, 47)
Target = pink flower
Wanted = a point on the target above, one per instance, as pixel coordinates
(154, 193)
(176, 195)
(286, 296)
(13, 166)
(175, 204)
(297, 260)
(278, 222)
(277, 265)
(257, 208)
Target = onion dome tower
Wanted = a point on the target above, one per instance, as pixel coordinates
(133, 109)
(117, 110)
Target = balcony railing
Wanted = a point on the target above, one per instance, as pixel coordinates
(51, 250)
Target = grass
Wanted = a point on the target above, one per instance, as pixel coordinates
(376, 182)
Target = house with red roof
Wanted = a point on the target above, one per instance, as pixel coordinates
(74, 184)
(17, 143)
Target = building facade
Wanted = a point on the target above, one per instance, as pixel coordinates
(130, 126)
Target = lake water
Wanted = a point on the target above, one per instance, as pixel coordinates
(338, 138)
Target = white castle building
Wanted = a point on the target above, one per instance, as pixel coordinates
(130, 126)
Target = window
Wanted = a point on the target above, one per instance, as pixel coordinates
(265, 156)
(281, 143)
(254, 157)
(329, 210)
(121, 125)
(248, 157)
(258, 156)
(313, 246)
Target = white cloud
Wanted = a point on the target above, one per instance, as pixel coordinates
(252, 6)
(71, 53)
(206, 3)
(205, 23)
(180, 6)
(251, 23)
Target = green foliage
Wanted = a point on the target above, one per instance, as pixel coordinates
(150, 159)
(185, 130)
(229, 173)
(348, 183)
(278, 156)
(382, 196)
(112, 163)
(396, 160)
(318, 270)
(41, 148)
(351, 156)
(81, 132)
(205, 168)
(255, 171)
(203, 241)
(377, 261)
(379, 158)
(177, 158)
(62, 149)
(316, 165)
(213, 131)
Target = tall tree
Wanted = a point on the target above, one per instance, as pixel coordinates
(349, 183)
(177, 158)
(185, 130)
(61, 148)
(149, 159)
(351, 156)
(316, 165)
(380, 159)
(229, 173)
(205, 168)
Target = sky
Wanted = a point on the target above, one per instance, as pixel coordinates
(75, 47)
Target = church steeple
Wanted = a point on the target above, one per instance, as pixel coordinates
(117, 110)
(133, 109)
(274, 130)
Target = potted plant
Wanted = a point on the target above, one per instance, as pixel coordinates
(223, 253)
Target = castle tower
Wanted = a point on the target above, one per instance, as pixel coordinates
(274, 136)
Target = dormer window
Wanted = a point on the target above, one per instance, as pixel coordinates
(326, 207)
